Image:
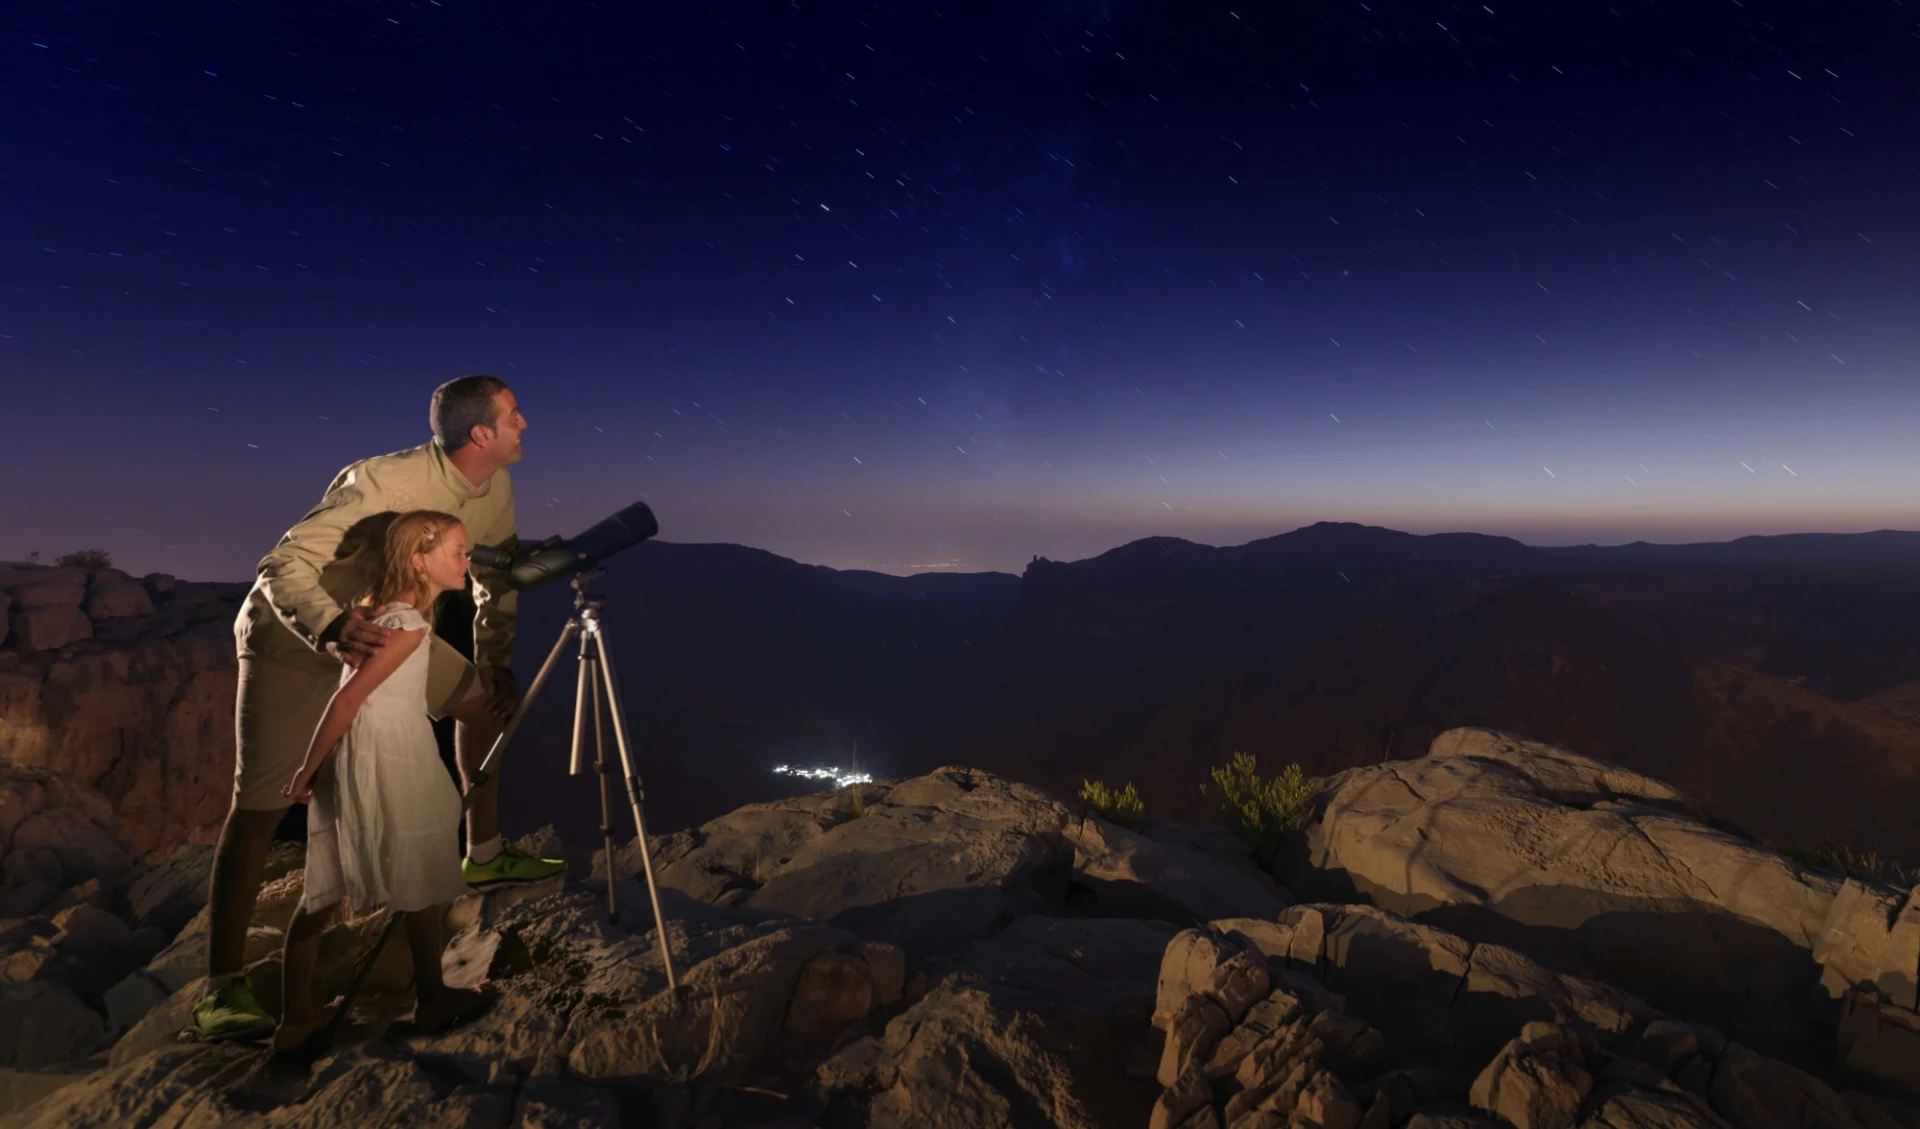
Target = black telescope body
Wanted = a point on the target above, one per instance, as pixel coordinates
(530, 566)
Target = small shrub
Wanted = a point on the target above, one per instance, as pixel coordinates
(1263, 811)
(852, 804)
(33, 556)
(1123, 806)
(1845, 862)
(91, 559)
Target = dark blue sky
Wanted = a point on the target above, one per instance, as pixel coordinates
(909, 285)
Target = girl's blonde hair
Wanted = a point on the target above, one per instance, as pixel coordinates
(418, 531)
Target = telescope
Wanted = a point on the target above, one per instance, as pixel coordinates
(530, 566)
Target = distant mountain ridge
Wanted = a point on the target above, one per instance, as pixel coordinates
(1879, 547)
(1768, 675)
(1328, 542)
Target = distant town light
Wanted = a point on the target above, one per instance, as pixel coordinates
(841, 777)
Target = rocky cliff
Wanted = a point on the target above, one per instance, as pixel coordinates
(125, 686)
(1505, 933)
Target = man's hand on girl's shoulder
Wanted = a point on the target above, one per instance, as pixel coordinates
(358, 636)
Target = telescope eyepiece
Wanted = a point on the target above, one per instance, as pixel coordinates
(486, 556)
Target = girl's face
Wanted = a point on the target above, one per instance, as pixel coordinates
(444, 567)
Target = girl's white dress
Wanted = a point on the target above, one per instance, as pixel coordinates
(384, 824)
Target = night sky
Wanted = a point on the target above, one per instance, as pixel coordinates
(905, 286)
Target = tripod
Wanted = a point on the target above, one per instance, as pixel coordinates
(596, 677)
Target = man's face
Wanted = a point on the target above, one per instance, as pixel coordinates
(508, 426)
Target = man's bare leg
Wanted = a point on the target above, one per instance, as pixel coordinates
(238, 861)
(490, 859)
(474, 732)
(228, 1010)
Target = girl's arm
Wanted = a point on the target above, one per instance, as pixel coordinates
(345, 704)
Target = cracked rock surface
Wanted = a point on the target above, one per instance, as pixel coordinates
(959, 951)
(1376, 1021)
(1591, 868)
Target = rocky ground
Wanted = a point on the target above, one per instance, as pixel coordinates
(1505, 933)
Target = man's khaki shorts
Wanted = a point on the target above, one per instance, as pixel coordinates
(280, 703)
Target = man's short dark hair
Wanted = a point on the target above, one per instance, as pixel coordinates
(462, 404)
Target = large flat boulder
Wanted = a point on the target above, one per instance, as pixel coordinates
(49, 628)
(46, 587)
(936, 862)
(1168, 876)
(1590, 868)
(117, 598)
(930, 864)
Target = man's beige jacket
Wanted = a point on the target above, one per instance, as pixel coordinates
(325, 563)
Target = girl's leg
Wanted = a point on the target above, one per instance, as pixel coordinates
(423, 938)
(297, 959)
(438, 1007)
(299, 1017)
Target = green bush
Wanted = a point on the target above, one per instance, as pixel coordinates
(1263, 811)
(1123, 807)
(90, 559)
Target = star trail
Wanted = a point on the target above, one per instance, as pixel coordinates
(917, 286)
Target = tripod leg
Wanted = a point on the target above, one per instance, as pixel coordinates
(480, 775)
(635, 796)
(579, 705)
(600, 766)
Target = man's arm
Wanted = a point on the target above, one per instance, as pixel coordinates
(290, 574)
(496, 604)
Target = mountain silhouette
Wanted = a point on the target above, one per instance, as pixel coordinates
(1775, 679)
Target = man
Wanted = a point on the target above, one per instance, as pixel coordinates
(295, 630)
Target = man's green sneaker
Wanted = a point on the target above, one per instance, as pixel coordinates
(511, 865)
(229, 1012)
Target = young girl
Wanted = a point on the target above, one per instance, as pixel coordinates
(384, 816)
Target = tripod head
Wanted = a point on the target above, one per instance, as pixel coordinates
(579, 584)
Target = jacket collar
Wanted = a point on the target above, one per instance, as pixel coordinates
(456, 481)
